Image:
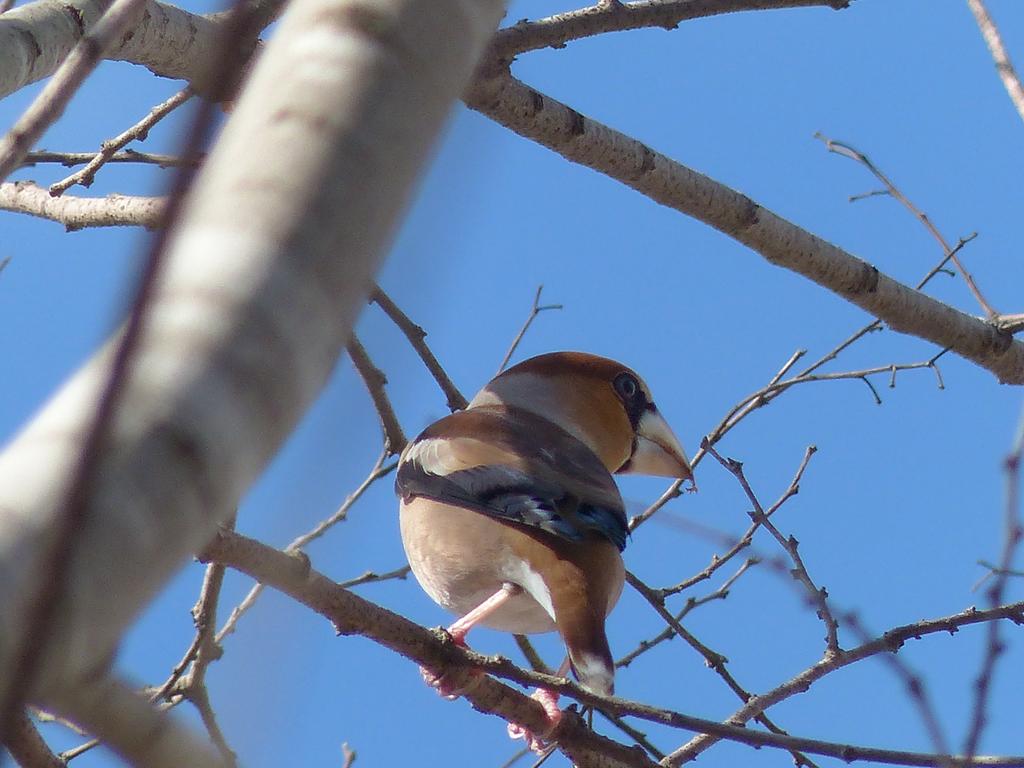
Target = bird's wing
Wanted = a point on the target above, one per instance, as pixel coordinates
(515, 467)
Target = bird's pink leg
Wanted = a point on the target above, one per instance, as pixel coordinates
(548, 700)
(460, 628)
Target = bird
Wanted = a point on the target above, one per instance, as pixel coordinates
(509, 514)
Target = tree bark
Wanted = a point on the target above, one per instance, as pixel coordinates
(265, 272)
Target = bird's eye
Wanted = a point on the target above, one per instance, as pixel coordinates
(627, 386)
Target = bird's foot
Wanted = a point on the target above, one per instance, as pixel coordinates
(538, 743)
(445, 688)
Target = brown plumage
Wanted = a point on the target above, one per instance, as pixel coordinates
(510, 504)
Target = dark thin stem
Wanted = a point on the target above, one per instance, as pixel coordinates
(416, 335)
(375, 382)
(994, 647)
(534, 311)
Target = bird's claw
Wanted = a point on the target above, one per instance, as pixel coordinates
(447, 690)
(539, 743)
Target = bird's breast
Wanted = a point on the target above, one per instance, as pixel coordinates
(461, 558)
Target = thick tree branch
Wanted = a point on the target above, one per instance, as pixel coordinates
(603, 17)
(587, 142)
(27, 746)
(51, 101)
(81, 212)
(36, 37)
(235, 347)
(127, 723)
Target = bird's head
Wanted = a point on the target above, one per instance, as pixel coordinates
(601, 402)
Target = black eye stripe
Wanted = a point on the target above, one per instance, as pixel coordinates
(634, 400)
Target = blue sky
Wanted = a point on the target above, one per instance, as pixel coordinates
(897, 506)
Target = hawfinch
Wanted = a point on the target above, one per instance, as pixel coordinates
(509, 514)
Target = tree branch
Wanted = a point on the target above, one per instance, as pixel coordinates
(994, 41)
(284, 203)
(82, 212)
(887, 642)
(50, 103)
(351, 615)
(603, 17)
(585, 141)
(171, 42)
(416, 335)
(109, 148)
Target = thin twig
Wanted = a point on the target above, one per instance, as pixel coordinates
(416, 336)
(744, 541)
(534, 311)
(914, 684)
(71, 159)
(379, 470)
(713, 659)
(818, 597)
(372, 577)
(375, 381)
(720, 593)
(841, 148)
(1011, 541)
(109, 148)
(887, 643)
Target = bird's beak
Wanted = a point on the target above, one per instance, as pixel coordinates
(657, 451)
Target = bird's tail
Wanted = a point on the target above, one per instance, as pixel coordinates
(589, 654)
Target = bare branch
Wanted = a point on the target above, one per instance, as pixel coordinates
(142, 734)
(379, 470)
(351, 614)
(28, 748)
(109, 148)
(712, 659)
(80, 479)
(36, 37)
(258, 329)
(841, 148)
(416, 336)
(720, 593)
(81, 212)
(536, 310)
(375, 381)
(1013, 531)
(585, 141)
(888, 642)
(1004, 66)
(52, 100)
(817, 597)
(71, 159)
(603, 17)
